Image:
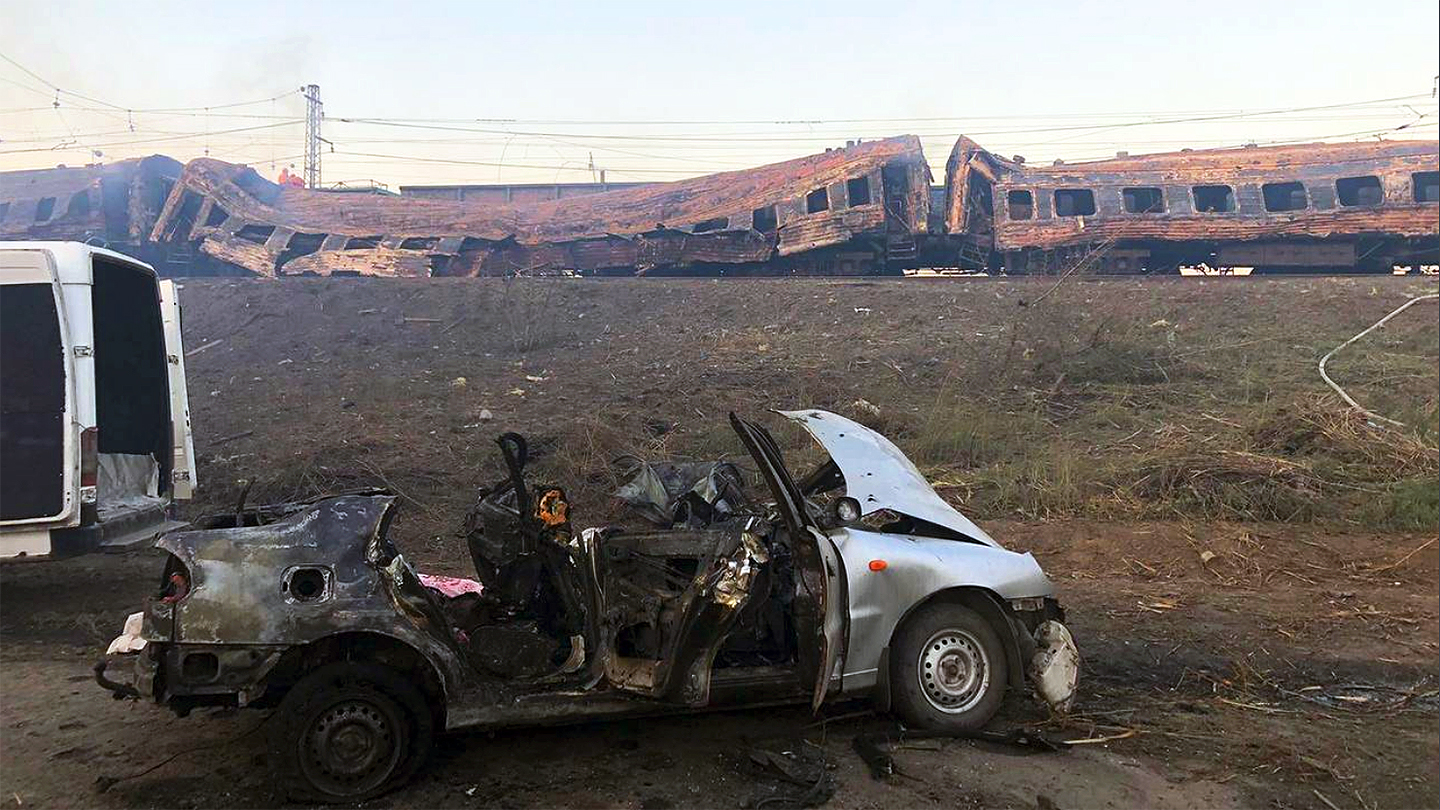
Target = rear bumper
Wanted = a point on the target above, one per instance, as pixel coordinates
(24, 544)
(127, 675)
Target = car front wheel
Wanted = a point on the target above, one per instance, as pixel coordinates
(348, 732)
(948, 669)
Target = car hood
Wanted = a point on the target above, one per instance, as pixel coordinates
(879, 476)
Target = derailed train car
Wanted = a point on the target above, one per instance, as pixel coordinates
(113, 205)
(850, 211)
(1321, 206)
(866, 209)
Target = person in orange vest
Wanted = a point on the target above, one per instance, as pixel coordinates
(296, 181)
(284, 178)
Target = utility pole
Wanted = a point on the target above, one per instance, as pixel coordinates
(314, 114)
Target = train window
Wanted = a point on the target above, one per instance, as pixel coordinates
(764, 219)
(1074, 202)
(1426, 186)
(817, 201)
(716, 224)
(1284, 196)
(1213, 199)
(1143, 200)
(44, 208)
(79, 205)
(259, 234)
(858, 190)
(1021, 204)
(1359, 190)
(216, 217)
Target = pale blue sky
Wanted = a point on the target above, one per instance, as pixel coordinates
(1044, 79)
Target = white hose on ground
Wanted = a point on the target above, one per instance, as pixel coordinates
(1341, 391)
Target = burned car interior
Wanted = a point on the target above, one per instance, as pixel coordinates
(650, 612)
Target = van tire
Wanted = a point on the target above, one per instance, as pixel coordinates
(348, 732)
(948, 669)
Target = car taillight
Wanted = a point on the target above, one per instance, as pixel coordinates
(175, 582)
(89, 456)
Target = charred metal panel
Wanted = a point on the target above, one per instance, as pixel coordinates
(241, 589)
(379, 262)
(811, 231)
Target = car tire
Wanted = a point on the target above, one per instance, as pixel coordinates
(948, 669)
(348, 732)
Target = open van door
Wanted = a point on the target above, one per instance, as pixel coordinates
(821, 608)
(37, 443)
(182, 471)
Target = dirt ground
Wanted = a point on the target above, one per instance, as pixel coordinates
(1228, 661)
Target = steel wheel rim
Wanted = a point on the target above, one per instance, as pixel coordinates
(953, 670)
(350, 748)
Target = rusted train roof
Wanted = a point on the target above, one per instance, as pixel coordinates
(1197, 163)
(1317, 166)
(663, 217)
(677, 204)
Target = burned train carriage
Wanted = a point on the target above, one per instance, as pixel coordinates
(849, 211)
(1335, 207)
(113, 205)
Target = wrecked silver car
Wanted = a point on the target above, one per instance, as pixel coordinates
(856, 581)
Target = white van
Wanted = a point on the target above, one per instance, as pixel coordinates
(94, 419)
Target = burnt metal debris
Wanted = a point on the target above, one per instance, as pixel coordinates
(864, 209)
(693, 493)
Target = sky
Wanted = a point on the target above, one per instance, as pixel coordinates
(553, 92)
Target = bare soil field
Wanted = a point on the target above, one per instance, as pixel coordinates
(1251, 573)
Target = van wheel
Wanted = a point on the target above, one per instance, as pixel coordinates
(948, 671)
(348, 732)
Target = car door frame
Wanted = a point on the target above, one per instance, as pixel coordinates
(822, 612)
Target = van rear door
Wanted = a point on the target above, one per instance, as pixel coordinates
(182, 471)
(36, 476)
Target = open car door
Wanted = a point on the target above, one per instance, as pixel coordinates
(821, 611)
(182, 469)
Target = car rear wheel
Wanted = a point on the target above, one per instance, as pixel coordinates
(348, 732)
(948, 669)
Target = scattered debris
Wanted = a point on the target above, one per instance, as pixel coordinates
(798, 776)
(877, 749)
(450, 587)
(865, 406)
(232, 437)
(685, 494)
(203, 346)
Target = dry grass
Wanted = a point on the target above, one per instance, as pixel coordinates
(1108, 400)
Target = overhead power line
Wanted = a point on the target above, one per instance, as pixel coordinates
(794, 138)
(185, 136)
(922, 119)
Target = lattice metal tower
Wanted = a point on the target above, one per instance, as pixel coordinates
(314, 114)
